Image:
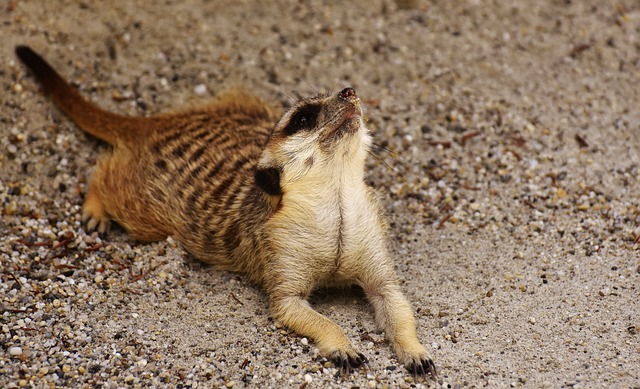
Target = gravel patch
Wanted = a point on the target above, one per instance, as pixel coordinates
(507, 156)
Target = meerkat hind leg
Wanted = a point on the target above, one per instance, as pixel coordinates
(94, 214)
(113, 193)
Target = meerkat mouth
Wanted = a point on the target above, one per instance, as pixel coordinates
(345, 117)
(350, 123)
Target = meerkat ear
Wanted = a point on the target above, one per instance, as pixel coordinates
(268, 179)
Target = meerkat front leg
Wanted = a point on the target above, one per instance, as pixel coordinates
(290, 307)
(394, 314)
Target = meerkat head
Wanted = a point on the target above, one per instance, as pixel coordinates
(316, 135)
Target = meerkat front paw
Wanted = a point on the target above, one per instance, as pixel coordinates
(345, 360)
(418, 363)
(341, 352)
(297, 314)
(422, 366)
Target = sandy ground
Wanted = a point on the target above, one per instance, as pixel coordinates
(511, 181)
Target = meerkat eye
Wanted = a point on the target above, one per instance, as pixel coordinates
(304, 119)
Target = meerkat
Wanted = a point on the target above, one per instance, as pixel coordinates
(280, 198)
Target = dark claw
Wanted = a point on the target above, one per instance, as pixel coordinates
(357, 361)
(417, 369)
(347, 364)
(430, 368)
(424, 367)
(341, 363)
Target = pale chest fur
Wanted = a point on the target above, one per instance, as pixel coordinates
(326, 222)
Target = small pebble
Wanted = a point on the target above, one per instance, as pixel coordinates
(200, 89)
(584, 207)
(15, 351)
(304, 341)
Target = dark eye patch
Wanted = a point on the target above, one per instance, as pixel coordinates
(303, 119)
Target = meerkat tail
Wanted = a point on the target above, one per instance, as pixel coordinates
(112, 128)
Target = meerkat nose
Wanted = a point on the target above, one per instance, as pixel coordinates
(348, 94)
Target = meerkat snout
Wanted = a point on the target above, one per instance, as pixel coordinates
(348, 94)
(351, 115)
(315, 118)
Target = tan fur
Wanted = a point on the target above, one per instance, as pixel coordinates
(283, 201)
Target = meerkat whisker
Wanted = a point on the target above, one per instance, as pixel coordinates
(317, 92)
(291, 98)
(379, 147)
(382, 160)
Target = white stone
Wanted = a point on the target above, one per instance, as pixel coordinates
(200, 89)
